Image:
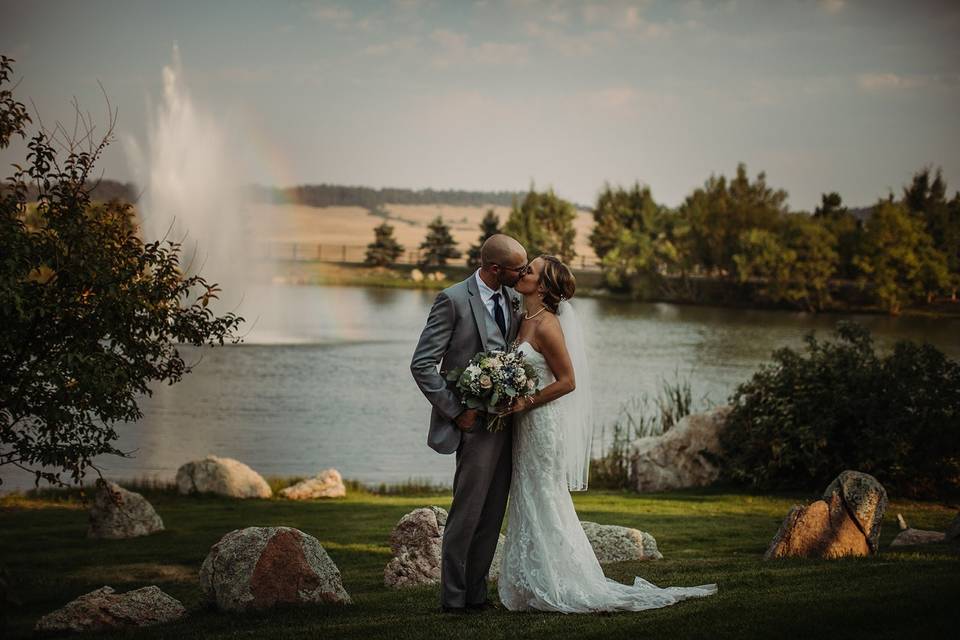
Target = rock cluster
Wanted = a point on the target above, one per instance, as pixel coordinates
(684, 456)
(326, 484)
(117, 513)
(845, 522)
(222, 476)
(417, 539)
(106, 610)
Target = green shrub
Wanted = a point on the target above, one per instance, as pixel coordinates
(802, 420)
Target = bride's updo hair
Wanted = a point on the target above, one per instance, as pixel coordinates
(558, 282)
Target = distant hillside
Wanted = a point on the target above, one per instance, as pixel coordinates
(332, 195)
(103, 190)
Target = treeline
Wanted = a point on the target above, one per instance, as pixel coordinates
(734, 241)
(332, 195)
(102, 190)
(739, 233)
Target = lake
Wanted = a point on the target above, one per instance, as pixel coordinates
(323, 379)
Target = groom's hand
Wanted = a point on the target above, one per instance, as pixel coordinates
(467, 419)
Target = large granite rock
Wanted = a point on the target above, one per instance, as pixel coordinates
(865, 500)
(416, 541)
(845, 522)
(326, 484)
(105, 610)
(676, 459)
(223, 476)
(612, 543)
(259, 567)
(117, 513)
(909, 537)
(953, 529)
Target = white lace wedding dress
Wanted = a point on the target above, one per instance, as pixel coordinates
(548, 563)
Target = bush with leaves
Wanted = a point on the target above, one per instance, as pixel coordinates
(90, 314)
(805, 418)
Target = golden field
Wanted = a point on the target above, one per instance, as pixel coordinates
(353, 226)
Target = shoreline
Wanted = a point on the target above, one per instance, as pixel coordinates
(337, 274)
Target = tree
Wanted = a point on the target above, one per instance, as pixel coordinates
(637, 240)
(899, 260)
(847, 230)
(384, 250)
(793, 265)
(543, 223)
(926, 199)
(490, 226)
(439, 246)
(90, 313)
(720, 212)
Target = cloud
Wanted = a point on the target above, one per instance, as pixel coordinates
(832, 6)
(888, 82)
(340, 17)
(399, 45)
(455, 49)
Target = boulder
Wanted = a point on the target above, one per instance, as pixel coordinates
(416, 275)
(416, 542)
(909, 537)
(223, 476)
(106, 610)
(682, 457)
(845, 522)
(953, 529)
(820, 530)
(260, 567)
(612, 543)
(865, 500)
(326, 484)
(117, 513)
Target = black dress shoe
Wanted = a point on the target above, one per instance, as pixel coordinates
(483, 606)
(454, 610)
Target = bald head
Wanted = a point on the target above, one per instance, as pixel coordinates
(504, 250)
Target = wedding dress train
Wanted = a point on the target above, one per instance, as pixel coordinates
(548, 563)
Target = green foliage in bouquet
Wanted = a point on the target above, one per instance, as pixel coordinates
(492, 380)
(802, 420)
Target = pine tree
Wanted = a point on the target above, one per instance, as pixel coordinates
(489, 227)
(439, 245)
(384, 250)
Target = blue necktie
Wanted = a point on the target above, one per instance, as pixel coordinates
(498, 315)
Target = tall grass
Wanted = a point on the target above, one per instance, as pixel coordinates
(639, 417)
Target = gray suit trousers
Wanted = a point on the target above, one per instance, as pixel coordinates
(481, 485)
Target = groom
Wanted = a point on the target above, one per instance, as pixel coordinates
(478, 314)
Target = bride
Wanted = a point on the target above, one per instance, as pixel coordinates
(548, 563)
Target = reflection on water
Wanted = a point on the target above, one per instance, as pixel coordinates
(323, 379)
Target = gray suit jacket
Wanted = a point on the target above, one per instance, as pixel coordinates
(459, 326)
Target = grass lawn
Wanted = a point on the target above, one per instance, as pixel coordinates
(705, 536)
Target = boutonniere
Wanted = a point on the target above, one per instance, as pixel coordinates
(515, 303)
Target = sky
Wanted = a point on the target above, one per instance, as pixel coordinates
(851, 96)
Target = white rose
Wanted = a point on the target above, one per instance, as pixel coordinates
(473, 370)
(485, 382)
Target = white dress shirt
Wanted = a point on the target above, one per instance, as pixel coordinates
(486, 294)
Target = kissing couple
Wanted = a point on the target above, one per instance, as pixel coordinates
(539, 456)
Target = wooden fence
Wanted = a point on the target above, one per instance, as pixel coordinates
(314, 252)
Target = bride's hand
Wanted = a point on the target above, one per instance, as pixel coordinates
(518, 405)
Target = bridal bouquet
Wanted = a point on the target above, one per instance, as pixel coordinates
(493, 380)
